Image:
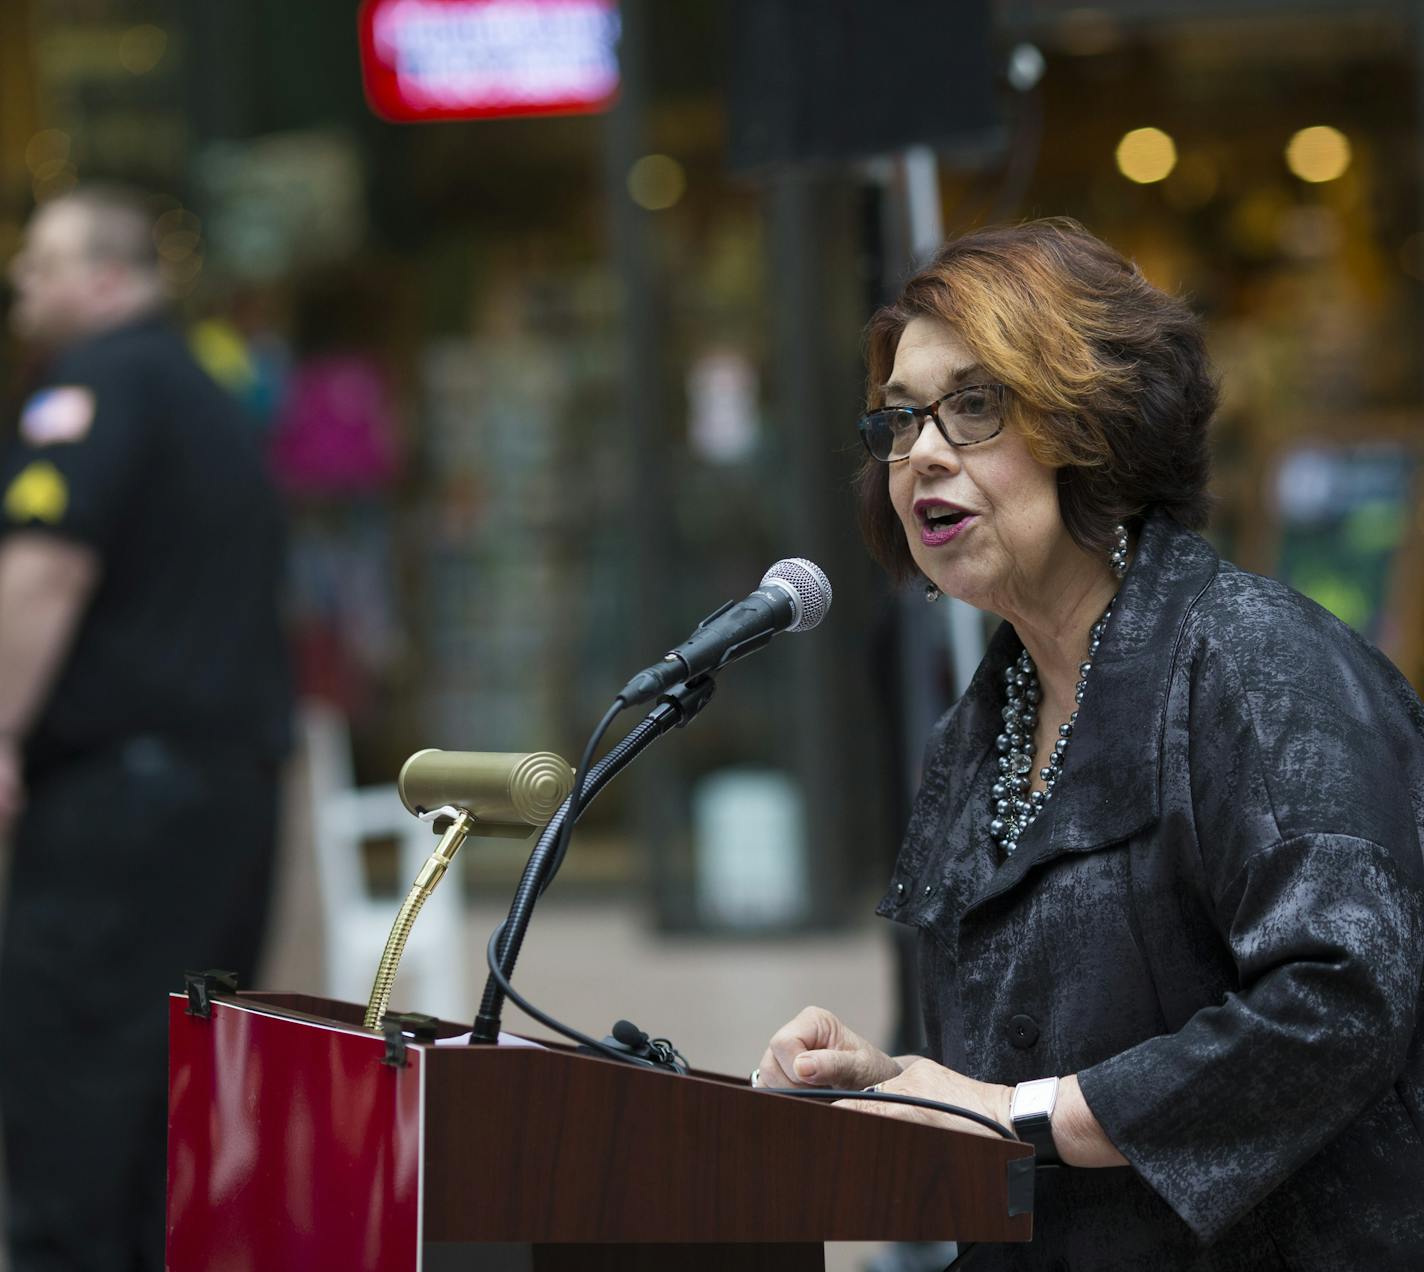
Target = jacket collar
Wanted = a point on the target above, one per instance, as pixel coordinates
(1110, 787)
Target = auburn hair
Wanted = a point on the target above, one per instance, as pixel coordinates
(1108, 377)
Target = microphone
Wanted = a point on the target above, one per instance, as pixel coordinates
(793, 597)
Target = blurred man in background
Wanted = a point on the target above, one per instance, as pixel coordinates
(143, 715)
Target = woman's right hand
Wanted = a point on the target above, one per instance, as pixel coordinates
(816, 1049)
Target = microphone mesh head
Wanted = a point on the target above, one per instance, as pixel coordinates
(812, 588)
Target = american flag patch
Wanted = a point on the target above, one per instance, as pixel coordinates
(61, 414)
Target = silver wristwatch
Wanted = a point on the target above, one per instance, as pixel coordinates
(1032, 1115)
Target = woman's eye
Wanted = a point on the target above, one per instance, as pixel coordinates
(975, 402)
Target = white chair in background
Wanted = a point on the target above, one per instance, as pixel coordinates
(433, 977)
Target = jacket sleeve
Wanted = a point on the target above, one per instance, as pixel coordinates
(1310, 855)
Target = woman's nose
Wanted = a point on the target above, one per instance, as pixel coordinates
(931, 452)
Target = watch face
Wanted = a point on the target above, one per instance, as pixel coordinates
(1035, 1099)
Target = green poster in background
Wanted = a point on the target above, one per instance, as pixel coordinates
(1344, 514)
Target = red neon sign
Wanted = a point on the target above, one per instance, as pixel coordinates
(482, 59)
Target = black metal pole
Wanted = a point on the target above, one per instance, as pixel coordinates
(657, 796)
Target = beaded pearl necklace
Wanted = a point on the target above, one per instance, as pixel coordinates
(1015, 808)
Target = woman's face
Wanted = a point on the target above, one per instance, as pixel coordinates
(1003, 553)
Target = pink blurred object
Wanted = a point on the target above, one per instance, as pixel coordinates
(336, 429)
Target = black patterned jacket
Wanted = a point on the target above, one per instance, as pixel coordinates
(1217, 924)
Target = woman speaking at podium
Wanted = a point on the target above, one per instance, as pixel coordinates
(1165, 863)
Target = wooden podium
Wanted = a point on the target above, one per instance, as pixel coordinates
(299, 1140)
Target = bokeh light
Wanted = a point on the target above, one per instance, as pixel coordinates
(177, 224)
(1411, 261)
(1318, 154)
(141, 48)
(1145, 155)
(47, 146)
(53, 178)
(1026, 66)
(178, 235)
(656, 182)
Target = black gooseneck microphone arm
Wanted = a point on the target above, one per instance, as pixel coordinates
(674, 709)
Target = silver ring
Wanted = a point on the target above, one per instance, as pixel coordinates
(876, 1087)
(755, 1079)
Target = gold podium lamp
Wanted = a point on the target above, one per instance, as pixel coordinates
(464, 793)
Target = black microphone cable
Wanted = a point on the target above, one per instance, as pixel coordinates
(894, 1097)
(548, 1021)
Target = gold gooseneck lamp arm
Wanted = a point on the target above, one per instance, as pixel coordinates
(460, 825)
(464, 793)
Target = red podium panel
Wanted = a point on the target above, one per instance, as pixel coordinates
(290, 1145)
(294, 1143)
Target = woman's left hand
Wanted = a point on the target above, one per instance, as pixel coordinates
(932, 1081)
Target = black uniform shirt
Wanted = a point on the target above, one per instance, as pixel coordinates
(129, 447)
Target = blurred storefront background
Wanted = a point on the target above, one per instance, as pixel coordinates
(544, 391)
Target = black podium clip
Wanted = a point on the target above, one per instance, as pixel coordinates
(1020, 1185)
(202, 986)
(394, 1027)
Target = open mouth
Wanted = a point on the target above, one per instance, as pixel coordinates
(941, 518)
(940, 522)
(938, 514)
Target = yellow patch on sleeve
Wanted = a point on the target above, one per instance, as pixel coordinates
(38, 493)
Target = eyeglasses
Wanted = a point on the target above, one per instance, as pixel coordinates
(964, 417)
